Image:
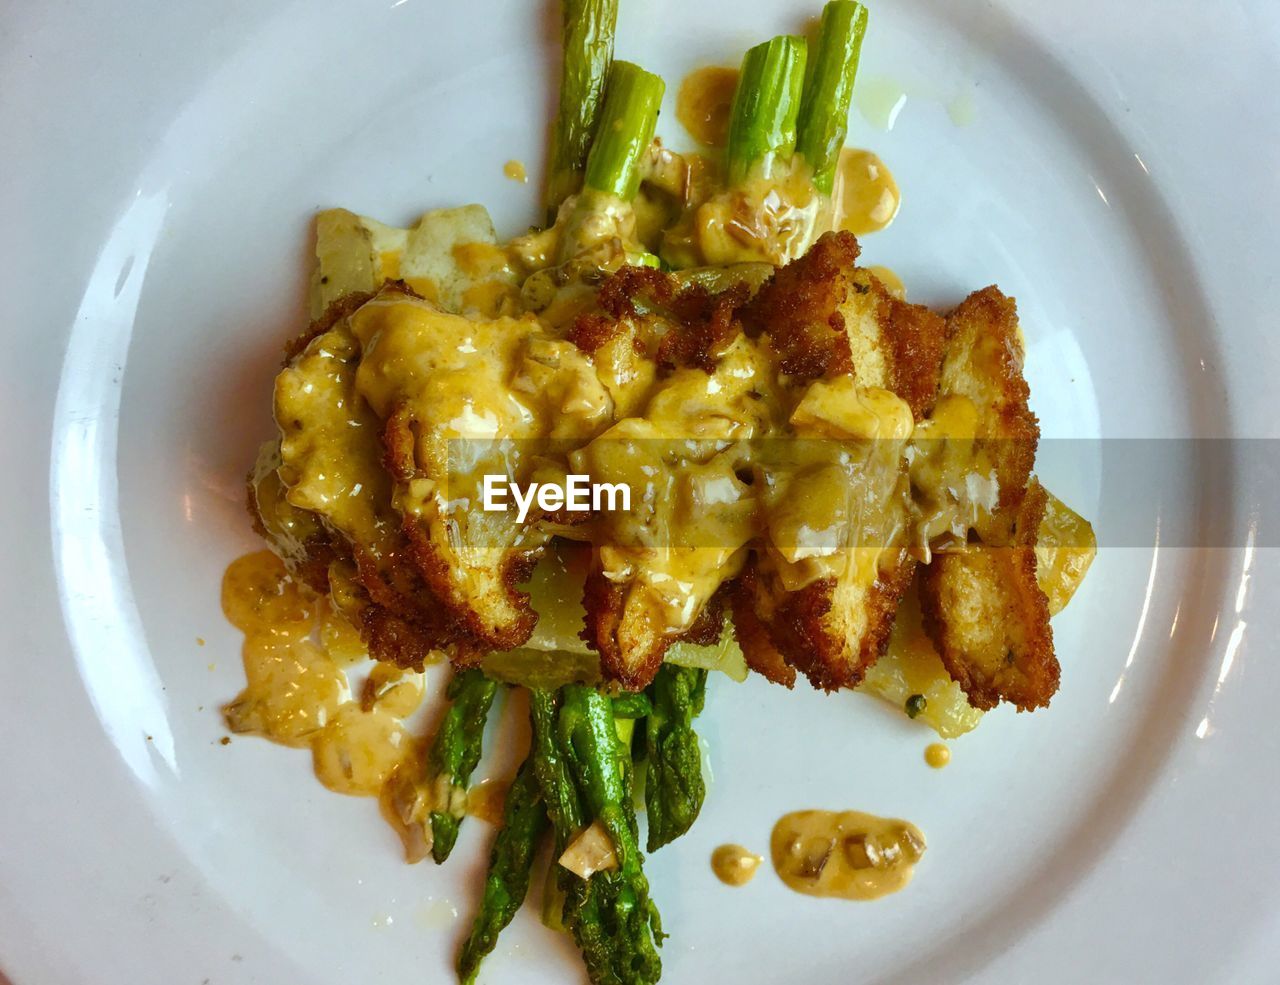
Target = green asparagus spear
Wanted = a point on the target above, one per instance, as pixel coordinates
(762, 120)
(632, 704)
(824, 108)
(587, 53)
(524, 819)
(564, 807)
(674, 789)
(584, 770)
(616, 925)
(455, 753)
(626, 128)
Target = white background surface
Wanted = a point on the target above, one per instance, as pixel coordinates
(161, 165)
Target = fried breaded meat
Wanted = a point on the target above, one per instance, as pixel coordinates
(793, 454)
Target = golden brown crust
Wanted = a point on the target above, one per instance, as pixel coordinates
(782, 632)
(392, 639)
(706, 629)
(705, 326)
(500, 620)
(416, 605)
(817, 312)
(916, 338)
(499, 630)
(799, 309)
(984, 363)
(630, 651)
(699, 324)
(412, 607)
(988, 618)
(813, 641)
(403, 623)
(339, 309)
(615, 305)
(399, 444)
(619, 290)
(753, 635)
(591, 330)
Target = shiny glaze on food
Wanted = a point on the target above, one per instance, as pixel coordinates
(845, 854)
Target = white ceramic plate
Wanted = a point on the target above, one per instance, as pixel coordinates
(1112, 165)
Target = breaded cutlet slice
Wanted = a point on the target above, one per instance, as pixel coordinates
(831, 630)
(982, 606)
(828, 319)
(989, 619)
(458, 399)
(656, 570)
(825, 316)
(331, 471)
(983, 362)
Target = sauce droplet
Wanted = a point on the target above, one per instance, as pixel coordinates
(515, 171)
(865, 196)
(487, 799)
(893, 284)
(847, 854)
(880, 100)
(704, 101)
(297, 692)
(735, 865)
(937, 755)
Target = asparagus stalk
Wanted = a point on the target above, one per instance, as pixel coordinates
(674, 789)
(626, 128)
(587, 53)
(618, 928)
(824, 108)
(602, 215)
(762, 120)
(524, 819)
(455, 753)
(584, 772)
(564, 808)
(632, 704)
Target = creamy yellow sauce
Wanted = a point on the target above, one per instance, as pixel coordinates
(515, 171)
(845, 854)
(704, 102)
(296, 649)
(832, 507)
(772, 216)
(735, 865)
(865, 198)
(891, 281)
(486, 800)
(937, 755)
